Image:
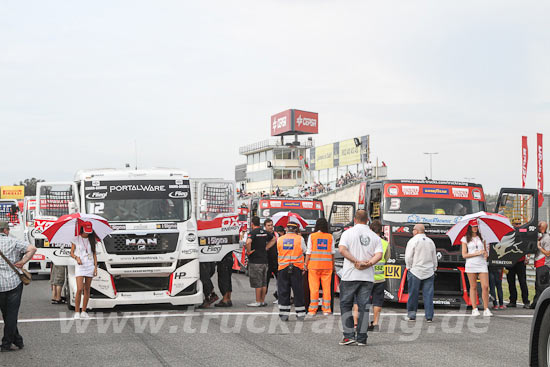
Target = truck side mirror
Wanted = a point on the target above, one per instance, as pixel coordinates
(204, 206)
(71, 206)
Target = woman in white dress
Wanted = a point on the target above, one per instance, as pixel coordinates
(84, 252)
(474, 250)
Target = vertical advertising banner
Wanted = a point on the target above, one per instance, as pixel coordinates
(540, 176)
(524, 159)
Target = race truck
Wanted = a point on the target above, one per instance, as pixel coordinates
(164, 223)
(265, 207)
(39, 264)
(10, 212)
(309, 209)
(400, 204)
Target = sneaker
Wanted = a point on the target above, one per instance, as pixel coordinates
(512, 305)
(275, 302)
(76, 316)
(527, 305)
(407, 318)
(362, 344)
(429, 321)
(84, 315)
(475, 312)
(255, 304)
(213, 298)
(263, 304)
(502, 307)
(327, 313)
(487, 313)
(375, 328)
(283, 318)
(347, 341)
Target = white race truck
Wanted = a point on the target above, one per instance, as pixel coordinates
(164, 224)
(39, 264)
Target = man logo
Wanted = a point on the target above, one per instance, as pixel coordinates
(141, 241)
(141, 247)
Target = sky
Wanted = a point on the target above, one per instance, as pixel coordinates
(82, 84)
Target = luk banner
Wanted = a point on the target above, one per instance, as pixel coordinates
(540, 176)
(524, 159)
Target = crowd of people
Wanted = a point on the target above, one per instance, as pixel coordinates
(303, 269)
(315, 188)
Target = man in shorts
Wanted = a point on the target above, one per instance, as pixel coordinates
(57, 280)
(257, 244)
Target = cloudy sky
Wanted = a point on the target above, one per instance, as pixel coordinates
(189, 82)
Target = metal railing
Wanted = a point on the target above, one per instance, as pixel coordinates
(273, 143)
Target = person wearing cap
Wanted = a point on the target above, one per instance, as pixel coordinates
(474, 250)
(11, 287)
(290, 250)
(83, 251)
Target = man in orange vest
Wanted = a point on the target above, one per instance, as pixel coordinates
(290, 249)
(319, 264)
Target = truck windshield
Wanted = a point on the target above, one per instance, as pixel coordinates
(307, 214)
(429, 210)
(141, 210)
(139, 200)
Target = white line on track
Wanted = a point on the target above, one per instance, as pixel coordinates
(130, 315)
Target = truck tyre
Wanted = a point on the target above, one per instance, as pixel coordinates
(543, 346)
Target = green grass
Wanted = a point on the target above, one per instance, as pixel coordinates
(506, 292)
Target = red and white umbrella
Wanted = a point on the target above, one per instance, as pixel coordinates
(492, 227)
(282, 219)
(66, 228)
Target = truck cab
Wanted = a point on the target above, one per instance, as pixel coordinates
(400, 204)
(309, 209)
(164, 223)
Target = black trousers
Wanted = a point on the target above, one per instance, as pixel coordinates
(207, 270)
(225, 269)
(9, 305)
(287, 279)
(272, 267)
(519, 270)
(542, 281)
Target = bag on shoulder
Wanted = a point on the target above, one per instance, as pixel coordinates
(23, 275)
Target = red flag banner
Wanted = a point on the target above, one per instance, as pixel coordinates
(524, 159)
(540, 176)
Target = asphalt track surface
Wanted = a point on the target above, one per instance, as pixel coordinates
(243, 336)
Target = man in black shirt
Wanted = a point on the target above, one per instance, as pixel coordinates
(257, 244)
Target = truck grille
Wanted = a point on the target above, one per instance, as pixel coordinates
(449, 253)
(132, 244)
(139, 284)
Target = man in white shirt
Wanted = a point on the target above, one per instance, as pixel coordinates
(362, 249)
(421, 262)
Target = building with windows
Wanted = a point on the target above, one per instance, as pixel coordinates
(273, 163)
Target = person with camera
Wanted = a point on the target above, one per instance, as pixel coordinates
(14, 253)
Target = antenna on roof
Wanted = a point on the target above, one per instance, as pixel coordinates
(135, 151)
